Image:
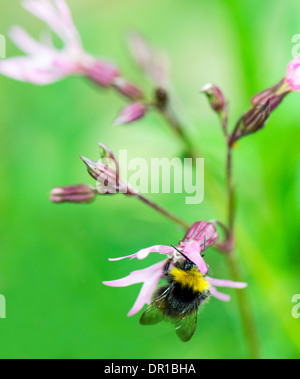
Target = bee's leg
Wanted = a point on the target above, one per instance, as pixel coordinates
(167, 266)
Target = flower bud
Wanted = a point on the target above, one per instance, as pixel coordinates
(215, 97)
(101, 73)
(252, 121)
(106, 173)
(131, 113)
(127, 89)
(81, 193)
(274, 94)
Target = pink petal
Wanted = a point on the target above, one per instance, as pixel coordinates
(219, 295)
(40, 69)
(145, 295)
(58, 18)
(142, 254)
(25, 42)
(150, 276)
(192, 251)
(65, 12)
(44, 10)
(226, 283)
(137, 276)
(68, 25)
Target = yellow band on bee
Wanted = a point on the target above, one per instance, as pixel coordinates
(190, 278)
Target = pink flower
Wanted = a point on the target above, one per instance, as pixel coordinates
(293, 74)
(131, 113)
(45, 64)
(200, 234)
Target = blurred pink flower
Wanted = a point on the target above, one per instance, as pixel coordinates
(127, 89)
(215, 97)
(200, 234)
(154, 63)
(45, 64)
(131, 113)
(293, 74)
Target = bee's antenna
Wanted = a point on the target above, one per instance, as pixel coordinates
(202, 255)
(180, 252)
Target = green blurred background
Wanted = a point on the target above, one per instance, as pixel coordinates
(54, 257)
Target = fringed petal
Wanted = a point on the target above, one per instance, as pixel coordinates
(150, 276)
(219, 295)
(226, 283)
(142, 254)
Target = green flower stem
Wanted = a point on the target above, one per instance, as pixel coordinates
(245, 309)
(161, 210)
(175, 125)
(242, 299)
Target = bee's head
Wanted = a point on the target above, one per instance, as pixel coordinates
(187, 264)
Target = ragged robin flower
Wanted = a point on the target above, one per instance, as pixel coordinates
(46, 64)
(187, 283)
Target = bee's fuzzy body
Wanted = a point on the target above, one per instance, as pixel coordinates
(186, 291)
(180, 299)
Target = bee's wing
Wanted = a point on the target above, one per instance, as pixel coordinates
(152, 315)
(155, 312)
(186, 326)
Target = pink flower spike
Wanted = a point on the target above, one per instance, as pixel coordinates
(131, 113)
(150, 276)
(293, 74)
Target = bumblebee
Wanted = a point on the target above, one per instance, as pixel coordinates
(179, 300)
